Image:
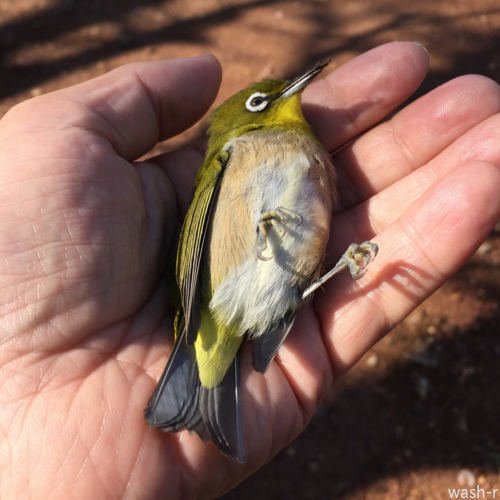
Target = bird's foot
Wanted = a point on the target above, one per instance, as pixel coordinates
(356, 258)
(277, 218)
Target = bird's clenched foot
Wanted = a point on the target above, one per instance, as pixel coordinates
(356, 259)
(277, 218)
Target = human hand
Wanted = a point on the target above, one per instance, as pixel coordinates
(85, 233)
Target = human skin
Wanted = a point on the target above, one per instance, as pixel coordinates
(86, 233)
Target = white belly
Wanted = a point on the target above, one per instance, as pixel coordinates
(254, 293)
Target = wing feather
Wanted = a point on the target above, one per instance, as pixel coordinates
(193, 235)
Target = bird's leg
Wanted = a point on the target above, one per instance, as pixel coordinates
(356, 258)
(276, 218)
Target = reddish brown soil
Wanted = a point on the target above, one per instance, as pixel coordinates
(424, 404)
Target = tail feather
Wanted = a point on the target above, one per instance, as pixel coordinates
(179, 402)
(266, 346)
(174, 403)
(220, 411)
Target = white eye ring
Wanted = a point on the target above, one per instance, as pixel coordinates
(260, 99)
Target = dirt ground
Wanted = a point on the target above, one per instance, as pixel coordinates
(420, 414)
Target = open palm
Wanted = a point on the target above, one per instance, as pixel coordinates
(86, 236)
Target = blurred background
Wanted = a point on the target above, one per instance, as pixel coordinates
(420, 413)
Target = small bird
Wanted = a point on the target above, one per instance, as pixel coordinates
(250, 253)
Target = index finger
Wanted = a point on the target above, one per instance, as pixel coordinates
(362, 92)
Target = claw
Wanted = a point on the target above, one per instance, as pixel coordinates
(291, 213)
(260, 256)
(278, 226)
(262, 243)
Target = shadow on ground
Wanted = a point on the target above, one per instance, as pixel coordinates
(66, 17)
(73, 35)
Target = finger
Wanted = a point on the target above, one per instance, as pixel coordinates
(414, 136)
(362, 92)
(373, 216)
(419, 252)
(480, 143)
(132, 107)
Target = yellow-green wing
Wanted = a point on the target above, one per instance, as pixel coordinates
(192, 240)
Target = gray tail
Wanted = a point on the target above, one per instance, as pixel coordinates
(179, 402)
(220, 412)
(173, 406)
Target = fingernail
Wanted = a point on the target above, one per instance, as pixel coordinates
(425, 49)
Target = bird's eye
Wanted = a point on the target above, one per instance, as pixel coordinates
(256, 102)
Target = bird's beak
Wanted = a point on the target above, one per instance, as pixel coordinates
(302, 81)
